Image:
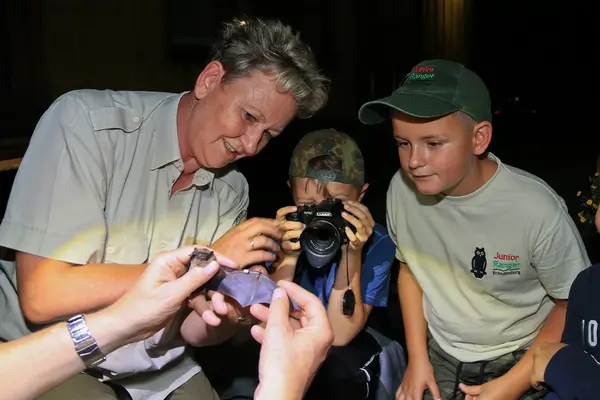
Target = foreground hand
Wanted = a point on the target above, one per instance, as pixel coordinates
(360, 217)
(251, 242)
(541, 357)
(291, 350)
(496, 389)
(291, 231)
(161, 290)
(418, 377)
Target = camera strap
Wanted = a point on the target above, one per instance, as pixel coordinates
(349, 298)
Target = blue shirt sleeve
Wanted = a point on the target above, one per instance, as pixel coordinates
(574, 371)
(576, 307)
(573, 374)
(375, 271)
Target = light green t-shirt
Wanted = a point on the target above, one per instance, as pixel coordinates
(486, 262)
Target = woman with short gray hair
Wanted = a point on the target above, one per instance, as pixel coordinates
(270, 46)
(120, 176)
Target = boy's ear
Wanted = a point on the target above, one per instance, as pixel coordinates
(363, 191)
(482, 136)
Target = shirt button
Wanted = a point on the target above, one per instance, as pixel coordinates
(163, 244)
(136, 119)
(110, 250)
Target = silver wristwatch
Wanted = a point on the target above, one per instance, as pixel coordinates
(85, 344)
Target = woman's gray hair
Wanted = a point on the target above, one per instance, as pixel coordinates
(248, 45)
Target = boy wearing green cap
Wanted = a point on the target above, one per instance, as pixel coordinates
(488, 252)
(349, 277)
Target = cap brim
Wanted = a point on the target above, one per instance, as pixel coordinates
(413, 104)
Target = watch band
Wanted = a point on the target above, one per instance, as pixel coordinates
(85, 344)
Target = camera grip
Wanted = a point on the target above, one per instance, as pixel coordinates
(295, 216)
(348, 224)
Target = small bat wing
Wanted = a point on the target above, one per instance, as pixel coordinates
(248, 287)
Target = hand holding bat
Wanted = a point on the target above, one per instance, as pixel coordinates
(291, 349)
(159, 292)
(230, 291)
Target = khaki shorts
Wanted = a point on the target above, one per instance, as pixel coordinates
(449, 372)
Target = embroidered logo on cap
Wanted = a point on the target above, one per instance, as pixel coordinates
(421, 74)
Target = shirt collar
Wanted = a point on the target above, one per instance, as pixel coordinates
(166, 147)
(203, 177)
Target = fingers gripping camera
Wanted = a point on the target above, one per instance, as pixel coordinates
(325, 233)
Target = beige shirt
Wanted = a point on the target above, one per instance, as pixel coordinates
(486, 262)
(94, 186)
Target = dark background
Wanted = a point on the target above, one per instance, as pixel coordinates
(536, 52)
(535, 56)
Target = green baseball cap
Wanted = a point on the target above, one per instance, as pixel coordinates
(433, 88)
(328, 142)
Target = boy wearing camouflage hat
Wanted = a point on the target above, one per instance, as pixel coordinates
(488, 252)
(326, 165)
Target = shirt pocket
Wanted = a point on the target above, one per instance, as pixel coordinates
(108, 118)
(126, 248)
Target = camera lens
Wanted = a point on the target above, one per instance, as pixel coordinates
(321, 241)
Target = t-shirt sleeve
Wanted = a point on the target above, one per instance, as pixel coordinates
(393, 213)
(559, 255)
(375, 272)
(56, 206)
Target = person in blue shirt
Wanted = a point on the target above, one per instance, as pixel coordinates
(328, 166)
(570, 370)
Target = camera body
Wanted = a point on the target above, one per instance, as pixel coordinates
(325, 233)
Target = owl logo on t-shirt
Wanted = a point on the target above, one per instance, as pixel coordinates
(479, 263)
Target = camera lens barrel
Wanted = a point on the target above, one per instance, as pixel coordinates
(324, 233)
(321, 242)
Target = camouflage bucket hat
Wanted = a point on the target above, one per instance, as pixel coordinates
(328, 142)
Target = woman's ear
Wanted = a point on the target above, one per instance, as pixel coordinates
(208, 79)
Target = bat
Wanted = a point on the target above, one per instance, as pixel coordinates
(200, 258)
(245, 286)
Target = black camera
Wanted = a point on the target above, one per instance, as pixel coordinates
(324, 234)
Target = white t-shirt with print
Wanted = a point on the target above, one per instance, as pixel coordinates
(486, 262)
